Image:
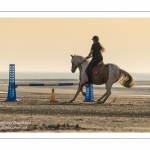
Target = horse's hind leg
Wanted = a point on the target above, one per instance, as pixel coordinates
(107, 94)
(83, 93)
(101, 98)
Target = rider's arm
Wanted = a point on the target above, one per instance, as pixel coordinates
(90, 54)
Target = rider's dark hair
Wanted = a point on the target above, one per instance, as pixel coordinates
(96, 39)
(101, 47)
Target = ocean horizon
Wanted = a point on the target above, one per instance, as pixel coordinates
(62, 75)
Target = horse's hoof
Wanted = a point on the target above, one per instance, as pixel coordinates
(83, 93)
(100, 102)
(71, 101)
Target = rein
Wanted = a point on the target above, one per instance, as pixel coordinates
(79, 64)
(82, 62)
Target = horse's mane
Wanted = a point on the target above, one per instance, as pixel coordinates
(80, 58)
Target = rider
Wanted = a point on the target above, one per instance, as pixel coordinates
(96, 54)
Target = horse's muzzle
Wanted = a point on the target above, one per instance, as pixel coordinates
(73, 71)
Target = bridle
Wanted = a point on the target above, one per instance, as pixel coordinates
(78, 64)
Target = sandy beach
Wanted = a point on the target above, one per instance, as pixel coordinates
(126, 110)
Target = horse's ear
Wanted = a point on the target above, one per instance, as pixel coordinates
(71, 55)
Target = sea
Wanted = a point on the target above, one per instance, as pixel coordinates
(63, 75)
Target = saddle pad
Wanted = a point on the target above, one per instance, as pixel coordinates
(94, 71)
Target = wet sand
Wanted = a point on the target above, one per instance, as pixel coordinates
(126, 110)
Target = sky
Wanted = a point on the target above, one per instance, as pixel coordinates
(45, 44)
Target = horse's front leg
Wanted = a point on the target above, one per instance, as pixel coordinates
(81, 84)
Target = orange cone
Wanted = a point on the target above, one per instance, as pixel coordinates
(52, 98)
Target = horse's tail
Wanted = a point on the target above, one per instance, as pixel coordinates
(126, 79)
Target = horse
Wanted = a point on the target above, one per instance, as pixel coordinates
(107, 74)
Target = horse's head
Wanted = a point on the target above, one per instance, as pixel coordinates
(74, 62)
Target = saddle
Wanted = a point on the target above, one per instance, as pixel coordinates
(96, 68)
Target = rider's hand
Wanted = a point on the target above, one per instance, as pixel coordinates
(87, 57)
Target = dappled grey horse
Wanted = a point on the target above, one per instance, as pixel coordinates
(107, 74)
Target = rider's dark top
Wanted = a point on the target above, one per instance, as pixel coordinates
(97, 57)
(96, 47)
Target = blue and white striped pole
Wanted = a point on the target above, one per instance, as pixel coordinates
(11, 96)
(45, 84)
(89, 97)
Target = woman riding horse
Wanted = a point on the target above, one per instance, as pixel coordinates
(108, 74)
(96, 54)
